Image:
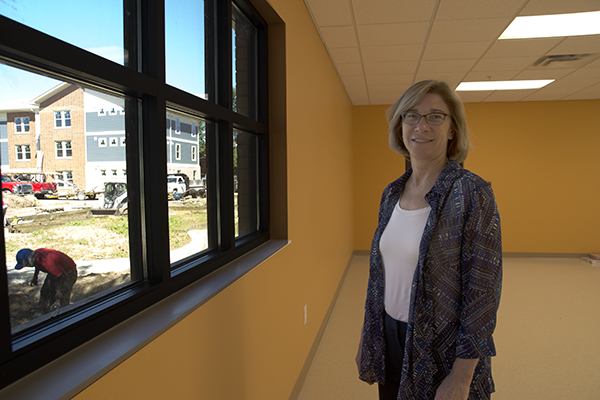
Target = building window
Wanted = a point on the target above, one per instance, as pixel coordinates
(62, 119)
(63, 149)
(177, 151)
(64, 179)
(23, 152)
(230, 142)
(22, 125)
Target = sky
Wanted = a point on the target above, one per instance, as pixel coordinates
(97, 26)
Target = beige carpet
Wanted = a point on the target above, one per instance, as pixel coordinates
(547, 339)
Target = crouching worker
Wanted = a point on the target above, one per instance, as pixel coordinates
(61, 275)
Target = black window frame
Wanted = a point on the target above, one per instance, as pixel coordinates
(142, 81)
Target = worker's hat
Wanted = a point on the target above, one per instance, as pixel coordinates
(24, 257)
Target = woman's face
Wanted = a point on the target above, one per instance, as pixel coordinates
(423, 141)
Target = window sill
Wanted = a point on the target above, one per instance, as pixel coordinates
(76, 370)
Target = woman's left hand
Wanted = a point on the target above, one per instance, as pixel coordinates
(456, 386)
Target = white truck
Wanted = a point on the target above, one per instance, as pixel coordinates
(176, 184)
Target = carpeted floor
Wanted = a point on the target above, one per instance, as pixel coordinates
(547, 338)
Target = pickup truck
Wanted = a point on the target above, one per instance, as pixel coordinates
(177, 183)
(13, 183)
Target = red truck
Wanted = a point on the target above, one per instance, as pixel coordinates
(19, 182)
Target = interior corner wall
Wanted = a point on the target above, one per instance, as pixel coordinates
(540, 157)
(375, 166)
(542, 161)
(250, 341)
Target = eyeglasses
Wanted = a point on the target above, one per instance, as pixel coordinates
(432, 119)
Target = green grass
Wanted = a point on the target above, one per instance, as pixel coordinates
(83, 248)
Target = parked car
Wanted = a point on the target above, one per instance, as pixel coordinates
(38, 181)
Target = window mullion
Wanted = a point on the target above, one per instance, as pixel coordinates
(153, 178)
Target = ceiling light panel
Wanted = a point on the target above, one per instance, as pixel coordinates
(574, 24)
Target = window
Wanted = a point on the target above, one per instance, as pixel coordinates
(22, 125)
(23, 152)
(64, 179)
(62, 119)
(63, 149)
(210, 109)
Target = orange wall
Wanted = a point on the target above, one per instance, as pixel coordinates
(250, 342)
(541, 158)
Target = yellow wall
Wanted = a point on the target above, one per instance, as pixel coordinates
(542, 160)
(250, 341)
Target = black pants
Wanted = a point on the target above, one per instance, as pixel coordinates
(57, 288)
(395, 337)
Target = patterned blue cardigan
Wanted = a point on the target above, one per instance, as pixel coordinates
(455, 290)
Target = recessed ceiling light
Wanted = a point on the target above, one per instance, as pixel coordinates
(503, 85)
(536, 26)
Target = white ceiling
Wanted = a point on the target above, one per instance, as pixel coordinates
(380, 47)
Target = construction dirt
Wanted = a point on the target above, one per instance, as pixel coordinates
(23, 297)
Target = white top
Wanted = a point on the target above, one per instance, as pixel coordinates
(399, 247)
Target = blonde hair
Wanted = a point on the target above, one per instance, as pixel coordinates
(458, 146)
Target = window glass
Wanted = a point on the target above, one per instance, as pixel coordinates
(245, 182)
(244, 39)
(95, 27)
(184, 46)
(186, 185)
(70, 238)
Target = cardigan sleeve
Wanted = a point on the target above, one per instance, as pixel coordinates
(481, 265)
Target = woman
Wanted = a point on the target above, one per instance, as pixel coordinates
(436, 261)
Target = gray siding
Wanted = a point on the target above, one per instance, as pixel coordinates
(104, 123)
(95, 153)
(3, 130)
(4, 153)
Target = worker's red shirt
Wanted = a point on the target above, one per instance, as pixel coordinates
(54, 262)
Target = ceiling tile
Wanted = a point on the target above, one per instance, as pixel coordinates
(469, 30)
(522, 47)
(392, 11)
(504, 64)
(509, 95)
(585, 73)
(446, 65)
(330, 12)
(539, 7)
(559, 89)
(452, 79)
(388, 68)
(461, 50)
(338, 36)
(589, 93)
(392, 34)
(410, 52)
(469, 9)
(345, 55)
(395, 79)
(479, 76)
(578, 44)
(529, 74)
(396, 43)
(354, 69)
(474, 97)
(356, 89)
(385, 98)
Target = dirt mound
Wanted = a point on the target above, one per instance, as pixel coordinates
(15, 201)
